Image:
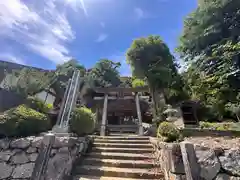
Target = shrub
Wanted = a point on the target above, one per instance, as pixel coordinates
(38, 105)
(168, 131)
(138, 83)
(207, 125)
(218, 126)
(82, 121)
(23, 121)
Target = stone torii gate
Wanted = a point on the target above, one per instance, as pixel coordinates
(120, 94)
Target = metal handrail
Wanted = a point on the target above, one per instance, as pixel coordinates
(73, 98)
(65, 106)
(70, 97)
(63, 103)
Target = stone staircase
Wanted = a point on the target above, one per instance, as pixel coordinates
(118, 158)
(123, 129)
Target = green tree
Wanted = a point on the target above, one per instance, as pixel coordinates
(150, 59)
(126, 81)
(210, 44)
(28, 81)
(105, 73)
(61, 76)
(212, 23)
(138, 83)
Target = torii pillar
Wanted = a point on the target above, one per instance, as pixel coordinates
(104, 116)
(139, 114)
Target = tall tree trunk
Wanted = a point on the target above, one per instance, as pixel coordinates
(152, 92)
(159, 101)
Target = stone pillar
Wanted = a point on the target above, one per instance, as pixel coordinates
(104, 116)
(190, 161)
(139, 114)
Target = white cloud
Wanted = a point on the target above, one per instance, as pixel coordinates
(142, 14)
(125, 69)
(102, 37)
(76, 4)
(41, 27)
(12, 58)
(84, 7)
(139, 12)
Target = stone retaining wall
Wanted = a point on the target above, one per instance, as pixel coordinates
(197, 132)
(213, 164)
(63, 154)
(19, 158)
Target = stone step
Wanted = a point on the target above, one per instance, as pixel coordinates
(122, 137)
(126, 131)
(123, 129)
(122, 150)
(122, 145)
(125, 141)
(126, 156)
(119, 172)
(113, 132)
(80, 177)
(148, 163)
(123, 134)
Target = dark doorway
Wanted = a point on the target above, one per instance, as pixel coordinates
(189, 113)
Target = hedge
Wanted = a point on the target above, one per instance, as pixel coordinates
(168, 131)
(23, 121)
(82, 121)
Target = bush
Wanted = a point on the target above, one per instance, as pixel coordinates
(82, 121)
(168, 131)
(207, 125)
(23, 121)
(138, 83)
(219, 126)
(38, 105)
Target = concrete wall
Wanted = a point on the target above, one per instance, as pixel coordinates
(9, 99)
(42, 95)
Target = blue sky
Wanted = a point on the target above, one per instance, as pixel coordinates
(48, 32)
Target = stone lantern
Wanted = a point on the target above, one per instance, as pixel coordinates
(171, 114)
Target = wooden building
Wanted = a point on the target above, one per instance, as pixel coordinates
(121, 109)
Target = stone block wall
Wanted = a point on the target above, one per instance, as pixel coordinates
(169, 158)
(20, 158)
(218, 163)
(196, 132)
(213, 164)
(64, 152)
